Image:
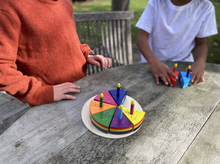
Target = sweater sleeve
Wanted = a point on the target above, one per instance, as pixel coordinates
(25, 88)
(85, 50)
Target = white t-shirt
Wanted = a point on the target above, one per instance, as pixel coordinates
(173, 29)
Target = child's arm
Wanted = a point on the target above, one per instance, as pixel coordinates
(158, 68)
(25, 88)
(95, 60)
(61, 89)
(200, 54)
(99, 59)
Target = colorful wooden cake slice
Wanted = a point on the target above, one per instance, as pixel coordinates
(103, 119)
(136, 119)
(120, 126)
(107, 98)
(185, 81)
(118, 99)
(94, 107)
(173, 79)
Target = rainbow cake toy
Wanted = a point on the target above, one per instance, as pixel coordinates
(109, 116)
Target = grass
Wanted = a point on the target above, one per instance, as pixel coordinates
(138, 6)
(214, 41)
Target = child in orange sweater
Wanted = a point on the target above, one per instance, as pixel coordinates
(40, 52)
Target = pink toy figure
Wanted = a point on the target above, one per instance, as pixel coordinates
(132, 108)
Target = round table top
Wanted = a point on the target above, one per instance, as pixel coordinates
(55, 133)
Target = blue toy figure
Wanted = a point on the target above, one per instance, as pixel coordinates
(185, 78)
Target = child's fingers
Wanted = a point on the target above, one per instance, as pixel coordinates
(166, 80)
(101, 60)
(93, 60)
(197, 78)
(156, 79)
(96, 63)
(105, 63)
(69, 84)
(194, 80)
(173, 74)
(65, 96)
(169, 81)
(60, 91)
(201, 78)
(109, 62)
(69, 89)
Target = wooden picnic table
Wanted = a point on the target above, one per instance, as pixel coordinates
(180, 125)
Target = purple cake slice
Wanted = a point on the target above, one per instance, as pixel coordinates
(120, 126)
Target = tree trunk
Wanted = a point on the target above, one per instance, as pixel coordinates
(120, 5)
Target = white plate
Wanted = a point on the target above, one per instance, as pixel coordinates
(88, 123)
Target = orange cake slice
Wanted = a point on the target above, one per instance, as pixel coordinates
(94, 107)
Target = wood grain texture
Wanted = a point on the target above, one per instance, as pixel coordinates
(97, 16)
(11, 109)
(54, 133)
(206, 147)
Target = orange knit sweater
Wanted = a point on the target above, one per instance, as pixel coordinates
(39, 47)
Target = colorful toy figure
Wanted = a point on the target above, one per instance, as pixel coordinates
(118, 95)
(132, 108)
(118, 89)
(173, 80)
(120, 112)
(101, 100)
(185, 77)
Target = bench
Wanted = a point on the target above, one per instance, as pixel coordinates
(107, 34)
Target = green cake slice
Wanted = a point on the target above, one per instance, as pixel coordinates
(103, 119)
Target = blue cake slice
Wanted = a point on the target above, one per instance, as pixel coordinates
(122, 95)
(185, 81)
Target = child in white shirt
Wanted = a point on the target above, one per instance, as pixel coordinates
(170, 29)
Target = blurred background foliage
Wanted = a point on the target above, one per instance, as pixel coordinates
(138, 6)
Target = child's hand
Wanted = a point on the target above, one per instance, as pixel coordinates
(97, 59)
(197, 72)
(61, 90)
(161, 70)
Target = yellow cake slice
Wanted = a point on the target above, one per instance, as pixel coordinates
(136, 119)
